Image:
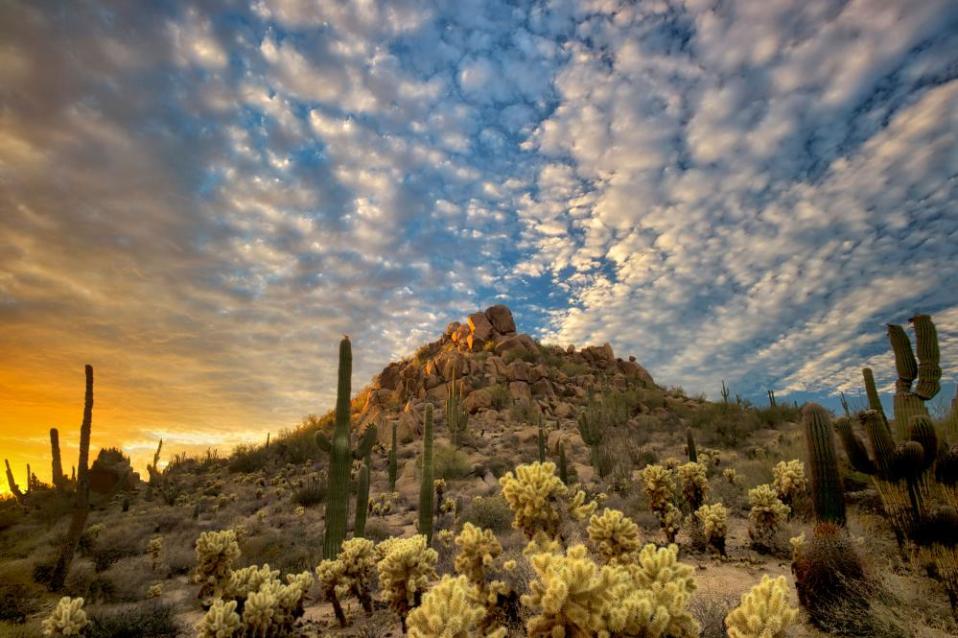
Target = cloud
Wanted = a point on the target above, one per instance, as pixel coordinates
(727, 190)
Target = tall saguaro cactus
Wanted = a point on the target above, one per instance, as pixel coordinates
(827, 496)
(59, 480)
(81, 505)
(362, 496)
(874, 403)
(426, 488)
(341, 456)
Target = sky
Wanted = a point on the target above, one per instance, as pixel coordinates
(199, 199)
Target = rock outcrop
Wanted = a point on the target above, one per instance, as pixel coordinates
(496, 368)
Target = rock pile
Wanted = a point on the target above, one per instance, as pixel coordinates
(495, 368)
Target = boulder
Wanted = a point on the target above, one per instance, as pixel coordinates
(476, 400)
(501, 319)
(389, 377)
(519, 390)
(542, 389)
(563, 410)
(518, 371)
(632, 369)
(516, 342)
(480, 328)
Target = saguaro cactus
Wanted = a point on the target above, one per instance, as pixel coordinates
(81, 505)
(59, 480)
(874, 403)
(12, 482)
(393, 460)
(563, 465)
(908, 403)
(541, 442)
(426, 488)
(827, 496)
(341, 456)
(690, 446)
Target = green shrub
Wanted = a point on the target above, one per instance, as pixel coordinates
(490, 512)
(144, 620)
(450, 463)
(500, 397)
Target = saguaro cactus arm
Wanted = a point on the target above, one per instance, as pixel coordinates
(827, 496)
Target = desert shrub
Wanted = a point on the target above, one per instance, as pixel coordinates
(450, 463)
(130, 578)
(377, 531)
(313, 492)
(500, 397)
(19, 594)
(10, 513)
(520, 354)
(710, 610)
(489, 512)
(85, 582)
(8, 630)
(116, 542)
(151, 619)
(497, 465)
(247, 459)
(281, 549)
(774, 416)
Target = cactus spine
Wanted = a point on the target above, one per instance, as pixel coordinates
(81, 505)
(690, 446)
(59, 480)
(341, 457)
(393, 461)
(829, 502)
(426, 488)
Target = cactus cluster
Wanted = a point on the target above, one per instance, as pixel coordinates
(788, 479)
(614, 536)
(406, 567)
(535, 494)
(766, 517)
(713, 521)
(451, 609)
(220, 621)
(67, 618)
(478, 550)
(351, 573)
(693, 484)
(216, 551)
(764, 611)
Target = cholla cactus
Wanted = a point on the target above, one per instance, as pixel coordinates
(766, 515)
(155, 590)
(154, 548)
(478, 550)
(451, 609)
(651, 596)
(764, 612)
(694, 483)
(272, 611)
(221, 621)
(713, 520)
(659, 484)
(671, 521)
(789, 480)
(351, 573)
(445, 537)
(405, 570)
(215, 554)
(571, 594)
(67, 619)
(243, 582)
(730, 474)
(614, 535)
(533, 494)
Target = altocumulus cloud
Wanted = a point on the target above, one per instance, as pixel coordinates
(201, 197)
